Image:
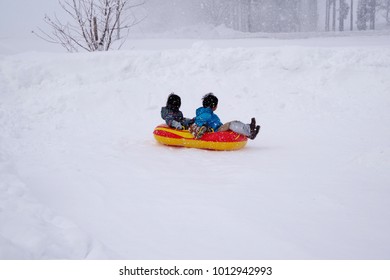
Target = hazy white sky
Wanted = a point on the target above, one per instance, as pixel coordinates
(20, 17)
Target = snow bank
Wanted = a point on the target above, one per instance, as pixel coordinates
(82, 177)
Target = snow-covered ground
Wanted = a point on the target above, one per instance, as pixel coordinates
(81, 175)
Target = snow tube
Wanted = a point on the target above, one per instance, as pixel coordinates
(221, 141)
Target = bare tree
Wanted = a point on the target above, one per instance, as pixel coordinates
(330, 16)
(362, 15)
(93, 23)
(385, 7)
(215, 11)
(351, 16)
(334, 15)
(366, 13)
(327, 15)
(372, 13)
(343, 13)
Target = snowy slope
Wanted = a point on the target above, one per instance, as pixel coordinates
(82, 177)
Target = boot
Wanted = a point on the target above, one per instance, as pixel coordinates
(253, 124)
(254, 132)
(200, 132)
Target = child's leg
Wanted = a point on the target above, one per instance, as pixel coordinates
(224, 127)
(238, 127)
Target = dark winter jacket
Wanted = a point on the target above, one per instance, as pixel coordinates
(206, 116)
(174, 118)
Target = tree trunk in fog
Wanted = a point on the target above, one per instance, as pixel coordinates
(386, 7)
(362, 15)
(351, 15)
(388, 12)
(366, 13)
(250, 15)
(343, 13)
(263, 15)
(341, 17)
(330, 14)
(118, 14)
(327, 15)
(334, 15)
(372, 11)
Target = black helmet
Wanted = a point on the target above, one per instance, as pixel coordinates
(209, 100)
(174, 101)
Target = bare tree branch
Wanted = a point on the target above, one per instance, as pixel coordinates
(93, 23)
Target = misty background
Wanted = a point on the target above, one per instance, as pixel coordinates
(20, 17)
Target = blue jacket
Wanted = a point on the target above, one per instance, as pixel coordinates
(206, 116)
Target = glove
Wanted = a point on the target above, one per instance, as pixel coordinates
(177, 125)
(187, 122)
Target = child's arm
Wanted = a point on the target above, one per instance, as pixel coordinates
(176, 124)
(186, 122)
(171, 118)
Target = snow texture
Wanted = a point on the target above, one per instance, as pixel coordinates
(81, 176)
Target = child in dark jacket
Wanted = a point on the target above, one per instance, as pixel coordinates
(206, 120)
(173, 116)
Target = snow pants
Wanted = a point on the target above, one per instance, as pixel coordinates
(236, 126)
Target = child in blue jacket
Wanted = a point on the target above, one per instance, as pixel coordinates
(172, 115)
(206, 120)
